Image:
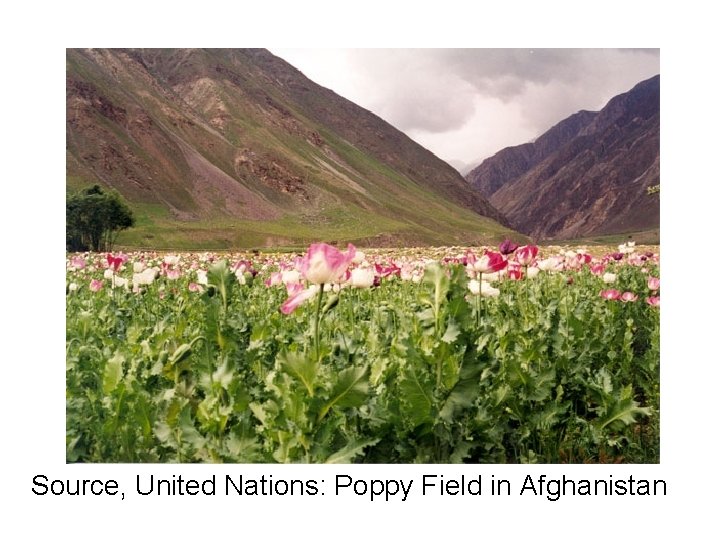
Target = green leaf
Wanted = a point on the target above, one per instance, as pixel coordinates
(350, 390)
(462, 451)
(378, 369)
(260, 413)
(542, 385)
(245, 448)
(190, 434)
(550, 415)
(260, 334)
(224, 375)
(500, 393)
(352, 449)
(452, 332)
(622, 411)
(113, 372)
(438, 284)
(163, 432)
(416, 396)
(302, 367)
(450, 367)
(461, 397)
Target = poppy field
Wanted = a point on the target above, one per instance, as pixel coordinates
(501, 354)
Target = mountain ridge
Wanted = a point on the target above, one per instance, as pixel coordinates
(210, 144)
(586, 176)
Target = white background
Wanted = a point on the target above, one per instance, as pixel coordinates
(32, 352)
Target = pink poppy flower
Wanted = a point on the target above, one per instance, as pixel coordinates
(597, 269)
(583, 258)
(653, 283)
(293, 288)
(96, 285)
(653, 301)
(298, 298)
(610, 294)
(244, 266)
(326, 264)
(77, 262)
(526, 255)
(406, 272)
(572, 263)
(627, 296)
(194, 287)
(289, 277)
(274, 280)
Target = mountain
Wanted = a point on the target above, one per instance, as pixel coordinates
(586, 176)
(221, 148)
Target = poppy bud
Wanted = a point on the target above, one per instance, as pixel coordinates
(507, 247)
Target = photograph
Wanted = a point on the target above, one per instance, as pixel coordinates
(362, 256)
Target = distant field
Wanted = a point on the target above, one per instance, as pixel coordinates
(155, 229)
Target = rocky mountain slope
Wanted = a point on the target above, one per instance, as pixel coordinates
(237, 148)
(586, 176)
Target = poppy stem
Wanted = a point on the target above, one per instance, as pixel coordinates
(479, 299)
(317, 323)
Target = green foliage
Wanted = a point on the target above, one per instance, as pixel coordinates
(93, 218)
(546, 372)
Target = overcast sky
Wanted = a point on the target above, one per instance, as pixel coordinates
(466, 104)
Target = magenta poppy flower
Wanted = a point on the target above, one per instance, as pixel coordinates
(385, 271)
(653, 283)
(627, 296)
(526, 255)
(487, 264)
(610, 294)
(597, 269)
(515, 272)
(325, 264)
(653, 301)
(114, 262)
(507, 247)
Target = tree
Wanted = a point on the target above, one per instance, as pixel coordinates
(93, 219)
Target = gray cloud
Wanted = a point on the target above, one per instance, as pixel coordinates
(492, 95)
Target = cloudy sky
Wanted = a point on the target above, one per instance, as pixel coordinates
(466, 104)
